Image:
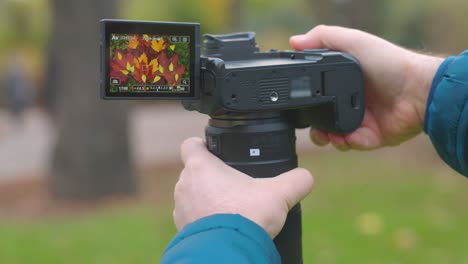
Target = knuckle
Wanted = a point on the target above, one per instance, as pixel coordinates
(195, 164)
(304, 172)
(307, 176)
(321, 28)
(178, 190)
(189, 141)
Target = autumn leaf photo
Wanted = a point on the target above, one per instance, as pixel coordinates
(148, 60)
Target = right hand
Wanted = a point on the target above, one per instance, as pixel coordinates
(397, 84)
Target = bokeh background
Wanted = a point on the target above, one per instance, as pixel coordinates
(88, 181)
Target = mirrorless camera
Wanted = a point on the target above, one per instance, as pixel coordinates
(161, 60)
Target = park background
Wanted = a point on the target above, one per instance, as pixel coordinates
(87, 181)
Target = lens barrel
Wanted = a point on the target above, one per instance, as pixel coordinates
(261, 148)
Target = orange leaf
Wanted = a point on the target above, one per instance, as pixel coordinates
(133, 44)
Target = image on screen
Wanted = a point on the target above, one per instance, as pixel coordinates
(153, 64)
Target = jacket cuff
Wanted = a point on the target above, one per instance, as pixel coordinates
(234, 222)
(435, 83)
(446, 120)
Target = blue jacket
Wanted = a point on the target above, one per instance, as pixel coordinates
(235, 239)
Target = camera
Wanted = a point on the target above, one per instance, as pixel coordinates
(162, 60)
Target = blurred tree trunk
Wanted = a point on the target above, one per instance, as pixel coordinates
(91, 159)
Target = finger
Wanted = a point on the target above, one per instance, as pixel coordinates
(301, 42)
(194, 149)
(332, 37)
(293, 185)
(321, 37)
(364, 138)
(339, 142)
(319, 138)
(368, 136)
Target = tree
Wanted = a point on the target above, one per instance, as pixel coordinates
(91, 158)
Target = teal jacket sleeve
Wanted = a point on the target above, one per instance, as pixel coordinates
(446, 120)
(222, 238)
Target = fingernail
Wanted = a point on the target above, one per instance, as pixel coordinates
(341, 147)
(322, 137)
(319, 139)
(297, 38)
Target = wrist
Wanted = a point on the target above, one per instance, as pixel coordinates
(421, 72)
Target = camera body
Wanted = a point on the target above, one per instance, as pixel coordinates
(319, 88)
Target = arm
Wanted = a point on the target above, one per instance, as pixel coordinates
(446, 120)
(222, 238)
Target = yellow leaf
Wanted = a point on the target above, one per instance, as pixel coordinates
(124, 72)
(370, 224)
(161, 69)
(171, 67)
(143, 58)
(177, 77)
(172, 47)
(155, 65)
(158, 45)
(156, 79)
(119, 56)
(130, 68)
(143, 77)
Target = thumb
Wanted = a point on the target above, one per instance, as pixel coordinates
(331, 37)
(319, 37)
(293, 185)
(194, 150)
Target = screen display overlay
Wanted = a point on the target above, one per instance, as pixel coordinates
(149, 60)
(149, 63)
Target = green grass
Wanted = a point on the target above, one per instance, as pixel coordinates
(367, 210)
(127, 236)
(362, 210)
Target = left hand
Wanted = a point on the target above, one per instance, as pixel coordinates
(207, 186)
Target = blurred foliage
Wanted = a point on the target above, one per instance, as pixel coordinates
(367, 209)
(416, 23)
(427, 25)
(438, 26)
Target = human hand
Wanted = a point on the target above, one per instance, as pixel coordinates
(397, 84)
(207, 186)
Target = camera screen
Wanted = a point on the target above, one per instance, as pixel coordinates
(150, 60)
